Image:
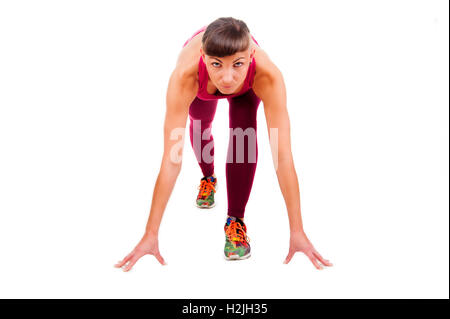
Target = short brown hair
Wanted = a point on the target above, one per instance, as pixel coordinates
(226, 36)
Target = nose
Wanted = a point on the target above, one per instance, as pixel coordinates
(227, 78)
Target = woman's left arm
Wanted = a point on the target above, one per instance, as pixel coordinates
(272, 91)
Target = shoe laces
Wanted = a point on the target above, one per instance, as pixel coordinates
(236, 233)
(206, 186)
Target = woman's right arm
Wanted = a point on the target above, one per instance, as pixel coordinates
(181, 92)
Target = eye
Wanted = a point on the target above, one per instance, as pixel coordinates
(240, 63)
(215, 63)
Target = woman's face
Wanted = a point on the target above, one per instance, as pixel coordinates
(228, 73)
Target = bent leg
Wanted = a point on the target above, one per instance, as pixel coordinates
(201, 115)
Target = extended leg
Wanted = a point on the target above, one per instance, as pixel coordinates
(242, 151)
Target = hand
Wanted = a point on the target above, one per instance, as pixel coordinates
(299, 242)
(147, 245)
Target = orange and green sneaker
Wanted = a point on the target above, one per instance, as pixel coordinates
(207, 188)
(236, 241)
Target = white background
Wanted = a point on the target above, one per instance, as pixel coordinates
(82, 102)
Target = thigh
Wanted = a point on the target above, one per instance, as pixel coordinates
(202, 110)
(243, 110)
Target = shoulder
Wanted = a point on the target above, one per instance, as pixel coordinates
(190, 54)
(187, 62)
(267, 74)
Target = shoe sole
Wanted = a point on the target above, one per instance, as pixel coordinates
(237, 257)
(205, 207)
(214, 204)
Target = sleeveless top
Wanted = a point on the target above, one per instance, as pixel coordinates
(203, 77)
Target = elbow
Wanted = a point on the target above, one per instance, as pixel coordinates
(283, 163)
(171, 164)
(170, 170)
(173, 167)
(285, 156)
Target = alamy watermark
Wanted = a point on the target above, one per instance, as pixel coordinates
(238, 151)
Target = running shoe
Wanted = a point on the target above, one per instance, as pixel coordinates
(207, 188)
(236, 241)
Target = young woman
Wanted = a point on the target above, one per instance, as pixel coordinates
(222, 60)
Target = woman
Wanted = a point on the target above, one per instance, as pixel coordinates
(219, 61)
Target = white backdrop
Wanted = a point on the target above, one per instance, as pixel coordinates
(82, 102)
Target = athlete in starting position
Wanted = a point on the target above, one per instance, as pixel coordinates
(223, 60)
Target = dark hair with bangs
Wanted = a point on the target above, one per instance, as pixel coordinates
(226, 36)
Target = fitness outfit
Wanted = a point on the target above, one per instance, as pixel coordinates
(242, 114)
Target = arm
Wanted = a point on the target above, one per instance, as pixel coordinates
(180, 93)
(272, 91)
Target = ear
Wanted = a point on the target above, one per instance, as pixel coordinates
(202, 54)
(252, 54)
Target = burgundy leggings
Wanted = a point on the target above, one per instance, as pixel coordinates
(242, 156)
